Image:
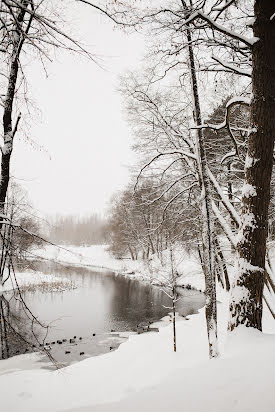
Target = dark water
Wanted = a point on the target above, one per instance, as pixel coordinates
(100, 307)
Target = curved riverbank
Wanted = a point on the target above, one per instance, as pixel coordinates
(155, 270)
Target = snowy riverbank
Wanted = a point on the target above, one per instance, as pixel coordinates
(145, 373)
(155, 270)
(31, 279)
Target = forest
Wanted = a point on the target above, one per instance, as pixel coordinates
(200, 110)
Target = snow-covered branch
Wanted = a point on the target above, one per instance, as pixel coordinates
(217, 27)
(225, 201)
(232, 67)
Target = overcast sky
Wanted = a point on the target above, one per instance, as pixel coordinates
(83, 134)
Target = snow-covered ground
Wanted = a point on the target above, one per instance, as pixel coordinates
(30, 279)
(144, 374)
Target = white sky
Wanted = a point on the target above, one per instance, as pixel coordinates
(83, 132)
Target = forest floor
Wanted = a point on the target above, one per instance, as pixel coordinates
(145, 373)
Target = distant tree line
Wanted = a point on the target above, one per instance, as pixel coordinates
(75, 230)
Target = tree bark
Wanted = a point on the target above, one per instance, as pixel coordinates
(246, 302)
(9, 132)
(207, 221)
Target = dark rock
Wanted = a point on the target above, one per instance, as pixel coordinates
(64, 340)
(53, 343)
(74, 337)
(67, 351)
(80, 338)
(72, 341)
(59, 342)
(93, 334)
(81, 353)
(111, 347)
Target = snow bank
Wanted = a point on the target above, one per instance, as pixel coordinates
(32, 279)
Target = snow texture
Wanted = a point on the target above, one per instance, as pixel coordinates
(250, 161)
(245, 266)
(249, 190)
(238, 99)
(8, 143)
(239, 294)
(27, 279)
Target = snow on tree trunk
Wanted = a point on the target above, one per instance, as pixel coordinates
(247, 292)
(9, 132)
(207, 221)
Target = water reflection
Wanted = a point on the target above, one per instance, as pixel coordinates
(102, 302)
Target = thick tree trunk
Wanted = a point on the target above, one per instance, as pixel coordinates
(246, 303)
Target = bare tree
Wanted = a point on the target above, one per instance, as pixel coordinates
(27, 27)
(238, 46)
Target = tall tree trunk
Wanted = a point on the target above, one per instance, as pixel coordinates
(207, 221)
(246, 301)
(9, 132)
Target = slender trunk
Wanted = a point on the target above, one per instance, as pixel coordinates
(200, 256)
(223, 264)
(131, 252)
(174, 297)
(208, 249)
(229, 184)
(3, 329)
(9, 132)
(246, 301)
(174, 318)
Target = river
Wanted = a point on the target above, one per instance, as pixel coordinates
(97, 315)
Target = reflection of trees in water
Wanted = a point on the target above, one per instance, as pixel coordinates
(4, 313)
(144, 302)
(20, 330)
(137, 301)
